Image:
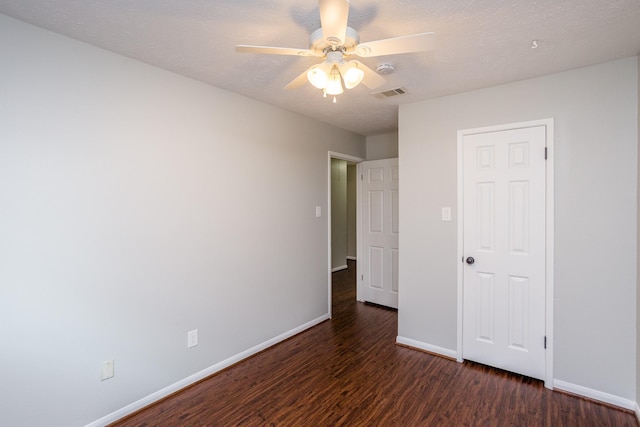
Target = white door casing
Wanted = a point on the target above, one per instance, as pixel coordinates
(351, 159)
(378, 267)
(504, 231)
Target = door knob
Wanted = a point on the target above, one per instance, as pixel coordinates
(470, 260)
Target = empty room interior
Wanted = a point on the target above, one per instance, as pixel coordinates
(190, 189)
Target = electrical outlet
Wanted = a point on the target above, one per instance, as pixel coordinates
(107, 370)
(192, 338)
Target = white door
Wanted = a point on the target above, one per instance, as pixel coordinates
(379, 269)
(504, 249)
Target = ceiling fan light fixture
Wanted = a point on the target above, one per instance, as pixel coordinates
(334, 84)
(353, 75)
(334, 41)
(317, 77)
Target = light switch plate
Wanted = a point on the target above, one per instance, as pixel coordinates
(318, 211)
(107, 370)
(192, 338)
(446, 214)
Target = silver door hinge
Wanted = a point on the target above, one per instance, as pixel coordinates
(545, 153)
(545, 341)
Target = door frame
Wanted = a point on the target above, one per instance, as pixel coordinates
(549, 233)
(351, 159)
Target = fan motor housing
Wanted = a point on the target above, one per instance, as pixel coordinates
(319, 44)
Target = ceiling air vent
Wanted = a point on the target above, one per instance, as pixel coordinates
(391, 92)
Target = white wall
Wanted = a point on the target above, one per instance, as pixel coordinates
(383, 146)
(339, 225)
(637, 266)
(596, 138)
(136, 205)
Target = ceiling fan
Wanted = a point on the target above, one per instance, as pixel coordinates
(334, 41)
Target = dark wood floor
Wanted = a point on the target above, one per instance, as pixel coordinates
(349, 372)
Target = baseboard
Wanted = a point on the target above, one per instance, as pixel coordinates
(440, 351)
(600, 396)
(339, 268)
(160, 394)
(352, 258)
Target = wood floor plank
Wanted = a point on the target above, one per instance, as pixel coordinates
(348, 372)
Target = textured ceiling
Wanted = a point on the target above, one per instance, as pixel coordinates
(479, 44)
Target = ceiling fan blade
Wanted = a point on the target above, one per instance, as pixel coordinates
(270, 50)
(405, 44)
(371, 79)
(299, 81)
(334, 15)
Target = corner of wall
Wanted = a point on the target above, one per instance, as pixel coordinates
(638, 251)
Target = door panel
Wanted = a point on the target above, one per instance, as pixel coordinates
(504, 231)
(380, 228)
(485, 310)
(376, 211)
(518, 312)
(376, 267)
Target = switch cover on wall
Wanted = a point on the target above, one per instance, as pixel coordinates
(192, 338)
(446, 214)
(107, 370)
